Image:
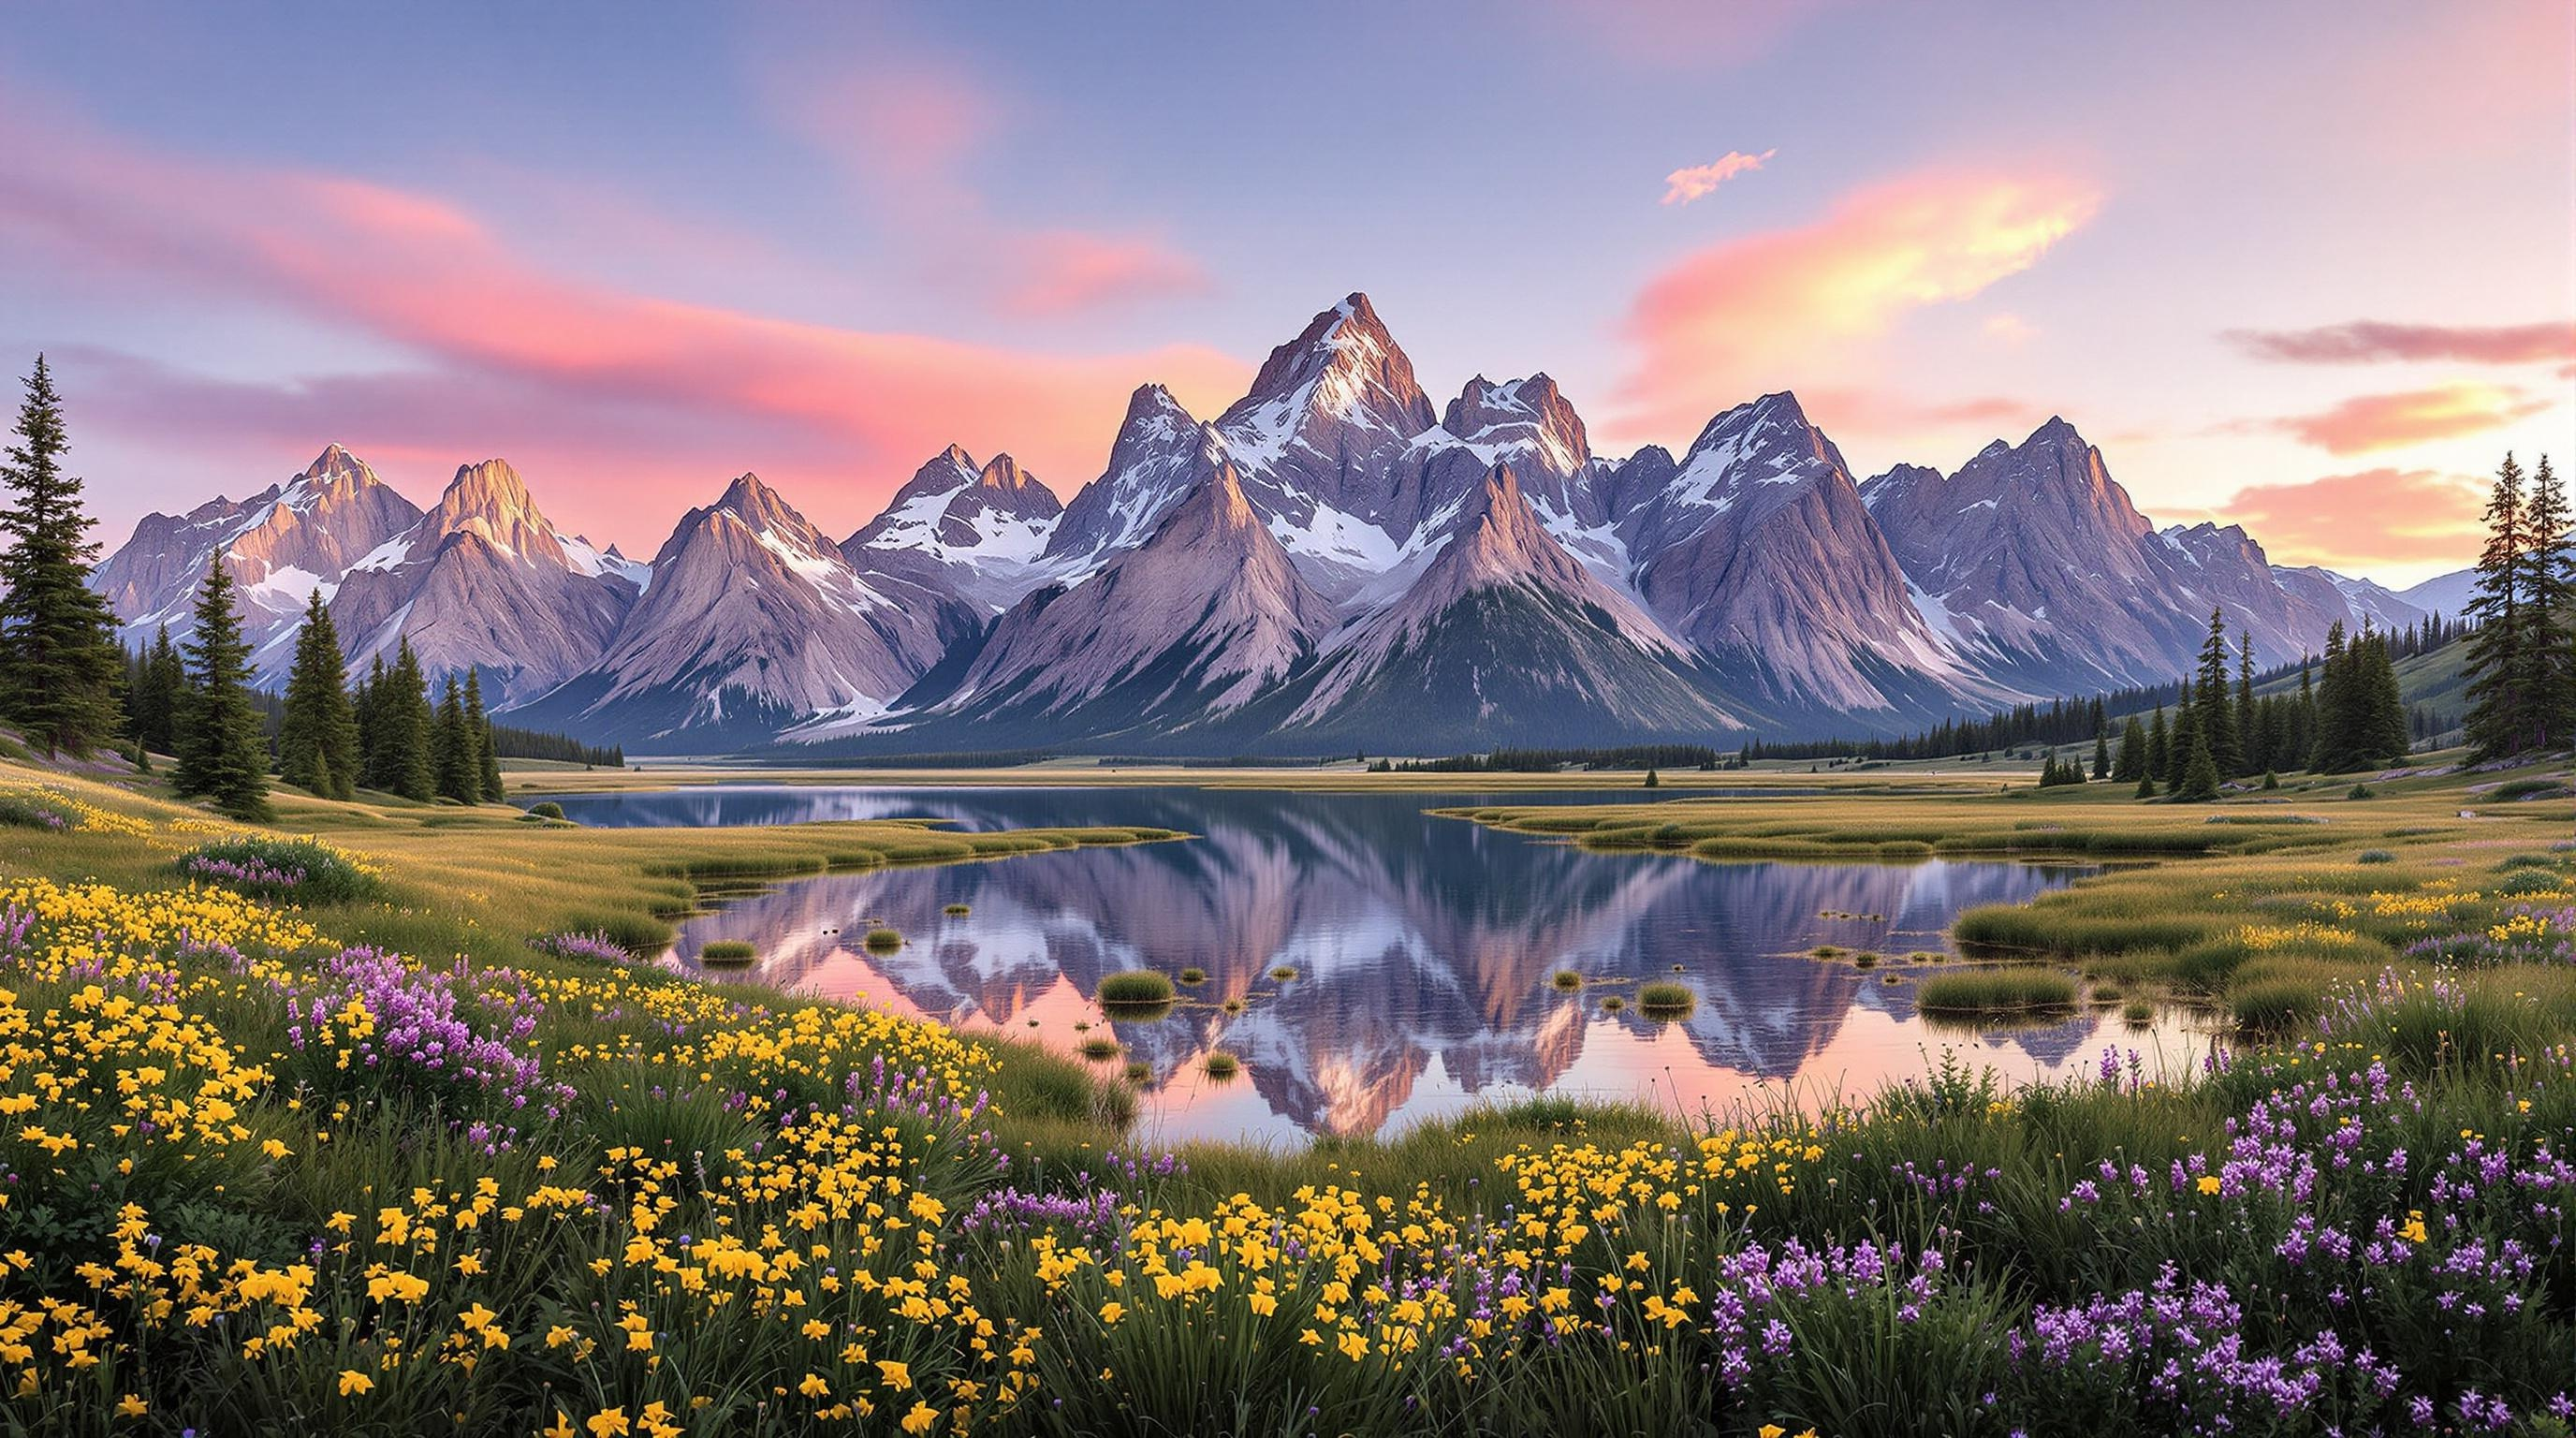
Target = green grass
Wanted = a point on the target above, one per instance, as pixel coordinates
(883, 940)
(728, 951)
(1855, 1366)
(1135, 987)
(1665, 998)
(1985, 992)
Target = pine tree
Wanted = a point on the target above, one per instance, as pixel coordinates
(2146, 786)
(2159, 747)
(2217, 713)
(2299, 727)
(2199, 775)
(2338, 743)
(403, 721)
(2189, 743)
(2383, 725)
(368, 707)
(2246, 739)
(59, 661)
(459, 775)
(221, 753)
(317, 737)
(2549, 611)
(2499, 721)
(2101, 754)
(152, 695)
(2132, 764)
(487, 758)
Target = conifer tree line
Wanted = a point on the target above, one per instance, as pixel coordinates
(70, 688)
(386, 734)
(2077, 721)
(2522, 660)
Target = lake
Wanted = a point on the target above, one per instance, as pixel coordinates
(1425, 951)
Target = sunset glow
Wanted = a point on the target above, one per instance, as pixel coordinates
(823, 247)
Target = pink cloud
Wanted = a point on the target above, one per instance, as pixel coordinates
(2392, 421)
(855, 408)
(907, 126)
(2364, 341)
(1790, 305)
(1700, 181)
(2373, 517)
(1056, 273)
(904, 129)
(1883, 413)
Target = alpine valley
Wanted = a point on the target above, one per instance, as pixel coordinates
(1332, 564)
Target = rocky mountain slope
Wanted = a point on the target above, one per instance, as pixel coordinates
(974, 534)
(484, 581)
(1172, 635)
(753, 622)
(1331, 562)
(281, 544)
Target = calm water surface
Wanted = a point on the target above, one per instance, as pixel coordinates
(1423, 950)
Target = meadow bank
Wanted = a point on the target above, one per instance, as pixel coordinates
(384, 1135)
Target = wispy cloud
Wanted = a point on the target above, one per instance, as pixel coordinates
(2370, 422)
(2370, 517)
(907, 127)
(2369, 341)
(1699, 181)
(579, 360)
(1797, 305)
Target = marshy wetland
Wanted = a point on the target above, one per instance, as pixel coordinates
(389, 1118)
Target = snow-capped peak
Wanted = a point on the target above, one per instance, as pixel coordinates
(1524, 418)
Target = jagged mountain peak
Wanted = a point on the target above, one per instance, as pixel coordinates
(943, 473)
(486, 486)
(1199, 618)
(489, 501)
(1763, 454)
(1150, 462)
(335, 466)
(1529, 416)
(1345, 366)
(1005, 485)
(1771, 418)
(1150, 400)
(765, 512)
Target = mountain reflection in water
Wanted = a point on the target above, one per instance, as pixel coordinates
(1424, 950)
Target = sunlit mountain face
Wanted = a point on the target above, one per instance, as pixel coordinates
(1424, 950)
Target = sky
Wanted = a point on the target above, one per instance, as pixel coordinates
(2306, 266)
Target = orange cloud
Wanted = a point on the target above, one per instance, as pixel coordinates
(2374, 517)
(1791, 305)
(2363, 341)
(2392, 421)
(857, 407)
(1883, 414)
(1699, 181)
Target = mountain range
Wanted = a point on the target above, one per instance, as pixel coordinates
(1332, 563)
